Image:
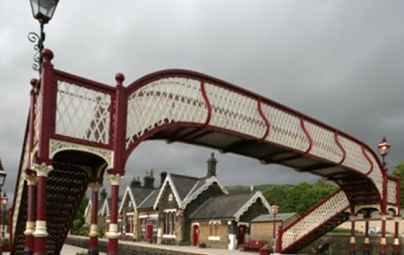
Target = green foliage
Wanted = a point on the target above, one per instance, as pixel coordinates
(79, 219)
(298, 198)
(399, 172)
(291, 198)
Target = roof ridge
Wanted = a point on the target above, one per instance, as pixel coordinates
(186, 176)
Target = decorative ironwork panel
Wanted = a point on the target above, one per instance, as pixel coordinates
(324, 144)
(354, 156)
(323, 213)
(234, 111)
(164, 101)
(285, 129)
(83, 113)
(376, 174)
(391, 192)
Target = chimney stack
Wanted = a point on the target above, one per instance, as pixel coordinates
(135, 183)
(163, 176)
(212, 162)
(148, 180)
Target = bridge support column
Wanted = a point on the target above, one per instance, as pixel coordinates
(352, 240)
(30, 225)
(396, 244)
(93, 233)
(366, 241)
(383, 240)
(113, 233)
(41, 233)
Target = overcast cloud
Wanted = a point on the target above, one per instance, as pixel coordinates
(340, 61)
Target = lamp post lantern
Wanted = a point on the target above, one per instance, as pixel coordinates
(43, 11)
(384, 149)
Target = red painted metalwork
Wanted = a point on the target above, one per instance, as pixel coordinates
(118, 114)
(307, 135)
(48, 107)
(207, 103)
(341, 148)
(113, 242)
(29, 239)
(93, 243)
(121, 106)
(368, 159)
(265, 119)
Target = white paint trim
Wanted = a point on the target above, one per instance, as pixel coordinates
(243, 224)
(194, 194)
(250, 202)
(169, 236)
(167, 181)
(105, 208)
(214, 238)
(130, 214)
(215, 222)
(169, 210)
(195, 224)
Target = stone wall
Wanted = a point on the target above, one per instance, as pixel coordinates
(223, 234)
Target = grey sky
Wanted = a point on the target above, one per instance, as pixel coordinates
(339, 61)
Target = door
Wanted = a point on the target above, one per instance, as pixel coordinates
(195, 235)
(241, 234)
(149, 232)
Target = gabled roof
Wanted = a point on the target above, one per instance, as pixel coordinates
(149, 201)
(228, 206)
(136, 195)
(104, 210)
(186, 188)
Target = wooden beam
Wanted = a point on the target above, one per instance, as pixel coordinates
(234, 146)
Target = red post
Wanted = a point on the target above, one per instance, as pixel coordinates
(93, 233)
(278, 247)
(47, 93)
(113, 233)
(397, 219)
(366, 242)
(40, 234)
(119, 160)
(353, 238)
(30, 224)
(383, 240)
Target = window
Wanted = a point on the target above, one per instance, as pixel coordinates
(214, 228)
(170, 197)
(169, 223)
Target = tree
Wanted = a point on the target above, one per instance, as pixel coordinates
(399, 172)
(79, 219)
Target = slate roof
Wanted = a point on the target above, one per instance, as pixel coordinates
(279, 217)
(183, 184)
(225, 206)
(149, 200)
(140, 194)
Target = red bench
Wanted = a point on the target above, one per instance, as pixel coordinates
(254, 245)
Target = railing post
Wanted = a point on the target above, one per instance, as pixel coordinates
(47, 110)
(30, 224)
(41, 233)
(120, 106)
(113, 233)
(366, 241)
(353, 238)
(383, 240)
(93, 233)
(278, 247)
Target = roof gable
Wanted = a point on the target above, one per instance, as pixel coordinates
(201, 186)
(168, 183)
(228, 206)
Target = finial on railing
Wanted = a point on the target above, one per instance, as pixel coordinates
(47, 55)
(120, 78)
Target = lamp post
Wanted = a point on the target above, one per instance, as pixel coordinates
(3, 175)
(4, 202)
(42, 10)
(274, 211)
(384, 149)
